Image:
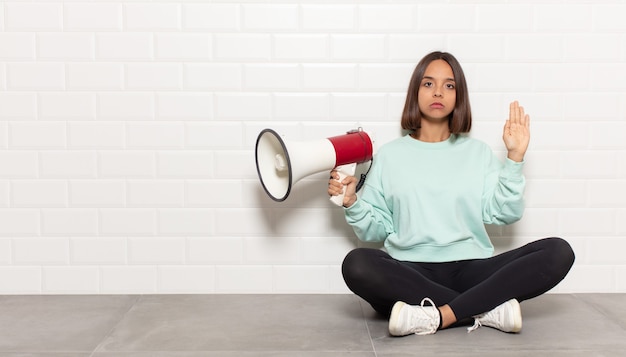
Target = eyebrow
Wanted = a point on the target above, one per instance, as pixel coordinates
(447, 79)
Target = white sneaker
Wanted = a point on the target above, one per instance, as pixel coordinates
(506, 317)
(420, 320)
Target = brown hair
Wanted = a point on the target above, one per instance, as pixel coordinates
(460, 120)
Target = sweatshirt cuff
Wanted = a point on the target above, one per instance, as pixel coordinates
(512, 168)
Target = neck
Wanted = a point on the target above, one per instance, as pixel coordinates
(431, 134)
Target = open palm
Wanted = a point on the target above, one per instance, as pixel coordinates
(516, 133)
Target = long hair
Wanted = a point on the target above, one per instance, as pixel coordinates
(460, 120)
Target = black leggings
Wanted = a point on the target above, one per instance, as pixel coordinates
(469, 287)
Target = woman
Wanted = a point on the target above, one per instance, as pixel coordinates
(427, 197)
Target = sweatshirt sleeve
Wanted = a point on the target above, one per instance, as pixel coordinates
(369, 216)
(503, 196)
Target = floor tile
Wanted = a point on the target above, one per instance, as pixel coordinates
(551, 323)
(322, 323)
(67, 324)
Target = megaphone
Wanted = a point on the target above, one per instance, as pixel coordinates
(280, 163)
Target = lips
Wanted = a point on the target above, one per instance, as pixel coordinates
(436, 105)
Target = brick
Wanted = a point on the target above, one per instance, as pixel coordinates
(335, 77)
(67, 106)
(95, 76)
(358, 106)
(504, 18)
(358, 47)
(228, 106)
(69, 222)
(555, 193)
(243, 46)
(185, 106)
(153, 76)
(18, 106)
(126, 164)
(607, 135)
(183, 46)
(67, 164)
(41, 251)
(17, 46)
(385, 77)
(215, 250)
(302, 105)
(19, 164)
(306, 47)
(187, 164)
(43, 135)
(386, 17)
(213, 193)
(124, 46)
(607, 193)
(126, 106)
(185, 279)
(412, 47)
(35, 76)
(503, 77)
(323, 17)
(215, 17)
(98, 251)
(187, 222)
(156, 135)
(97, 193)
(591, 48)
(588, 164)
(65, 46)
(272, 250)
(152, 16)
(563, 18)
(33, 16)
(146, 251)
(70, 280)
(213, 76)
(215, 135)
(270, 17)
(128, 280)
(271, 77)
(464, 47)
(244, 279)
(535, 48)
(39, 193)
(128, 222)
(608, 77)
(6, 252)
(19, 222)
(607, 17)
(155, 193)
(557, 77)
(93, 16)
(576, 222)
(20, 280)
(459, 18)
(96, 135)
(301, 279)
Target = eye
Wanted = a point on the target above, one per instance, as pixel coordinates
(427, 84)
(450, 86)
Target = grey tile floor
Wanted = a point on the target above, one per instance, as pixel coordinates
(289, 325)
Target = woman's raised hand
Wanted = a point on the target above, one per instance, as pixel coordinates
(516, 134)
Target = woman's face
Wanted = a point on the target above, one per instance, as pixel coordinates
(437, 93)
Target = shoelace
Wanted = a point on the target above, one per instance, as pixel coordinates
(432, 317)
(477, 324)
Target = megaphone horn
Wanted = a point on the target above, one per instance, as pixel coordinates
(280, 163)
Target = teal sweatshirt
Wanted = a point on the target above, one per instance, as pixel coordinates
(429, 202)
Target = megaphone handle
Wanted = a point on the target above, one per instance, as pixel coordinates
(343, 171)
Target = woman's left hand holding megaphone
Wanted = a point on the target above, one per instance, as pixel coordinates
(337, 187)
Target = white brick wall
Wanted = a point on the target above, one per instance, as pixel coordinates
(127, 133)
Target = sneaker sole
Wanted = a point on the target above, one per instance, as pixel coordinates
(393, 319)
(517, 312)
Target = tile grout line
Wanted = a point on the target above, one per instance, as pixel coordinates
(367, 328)
(104, 338)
